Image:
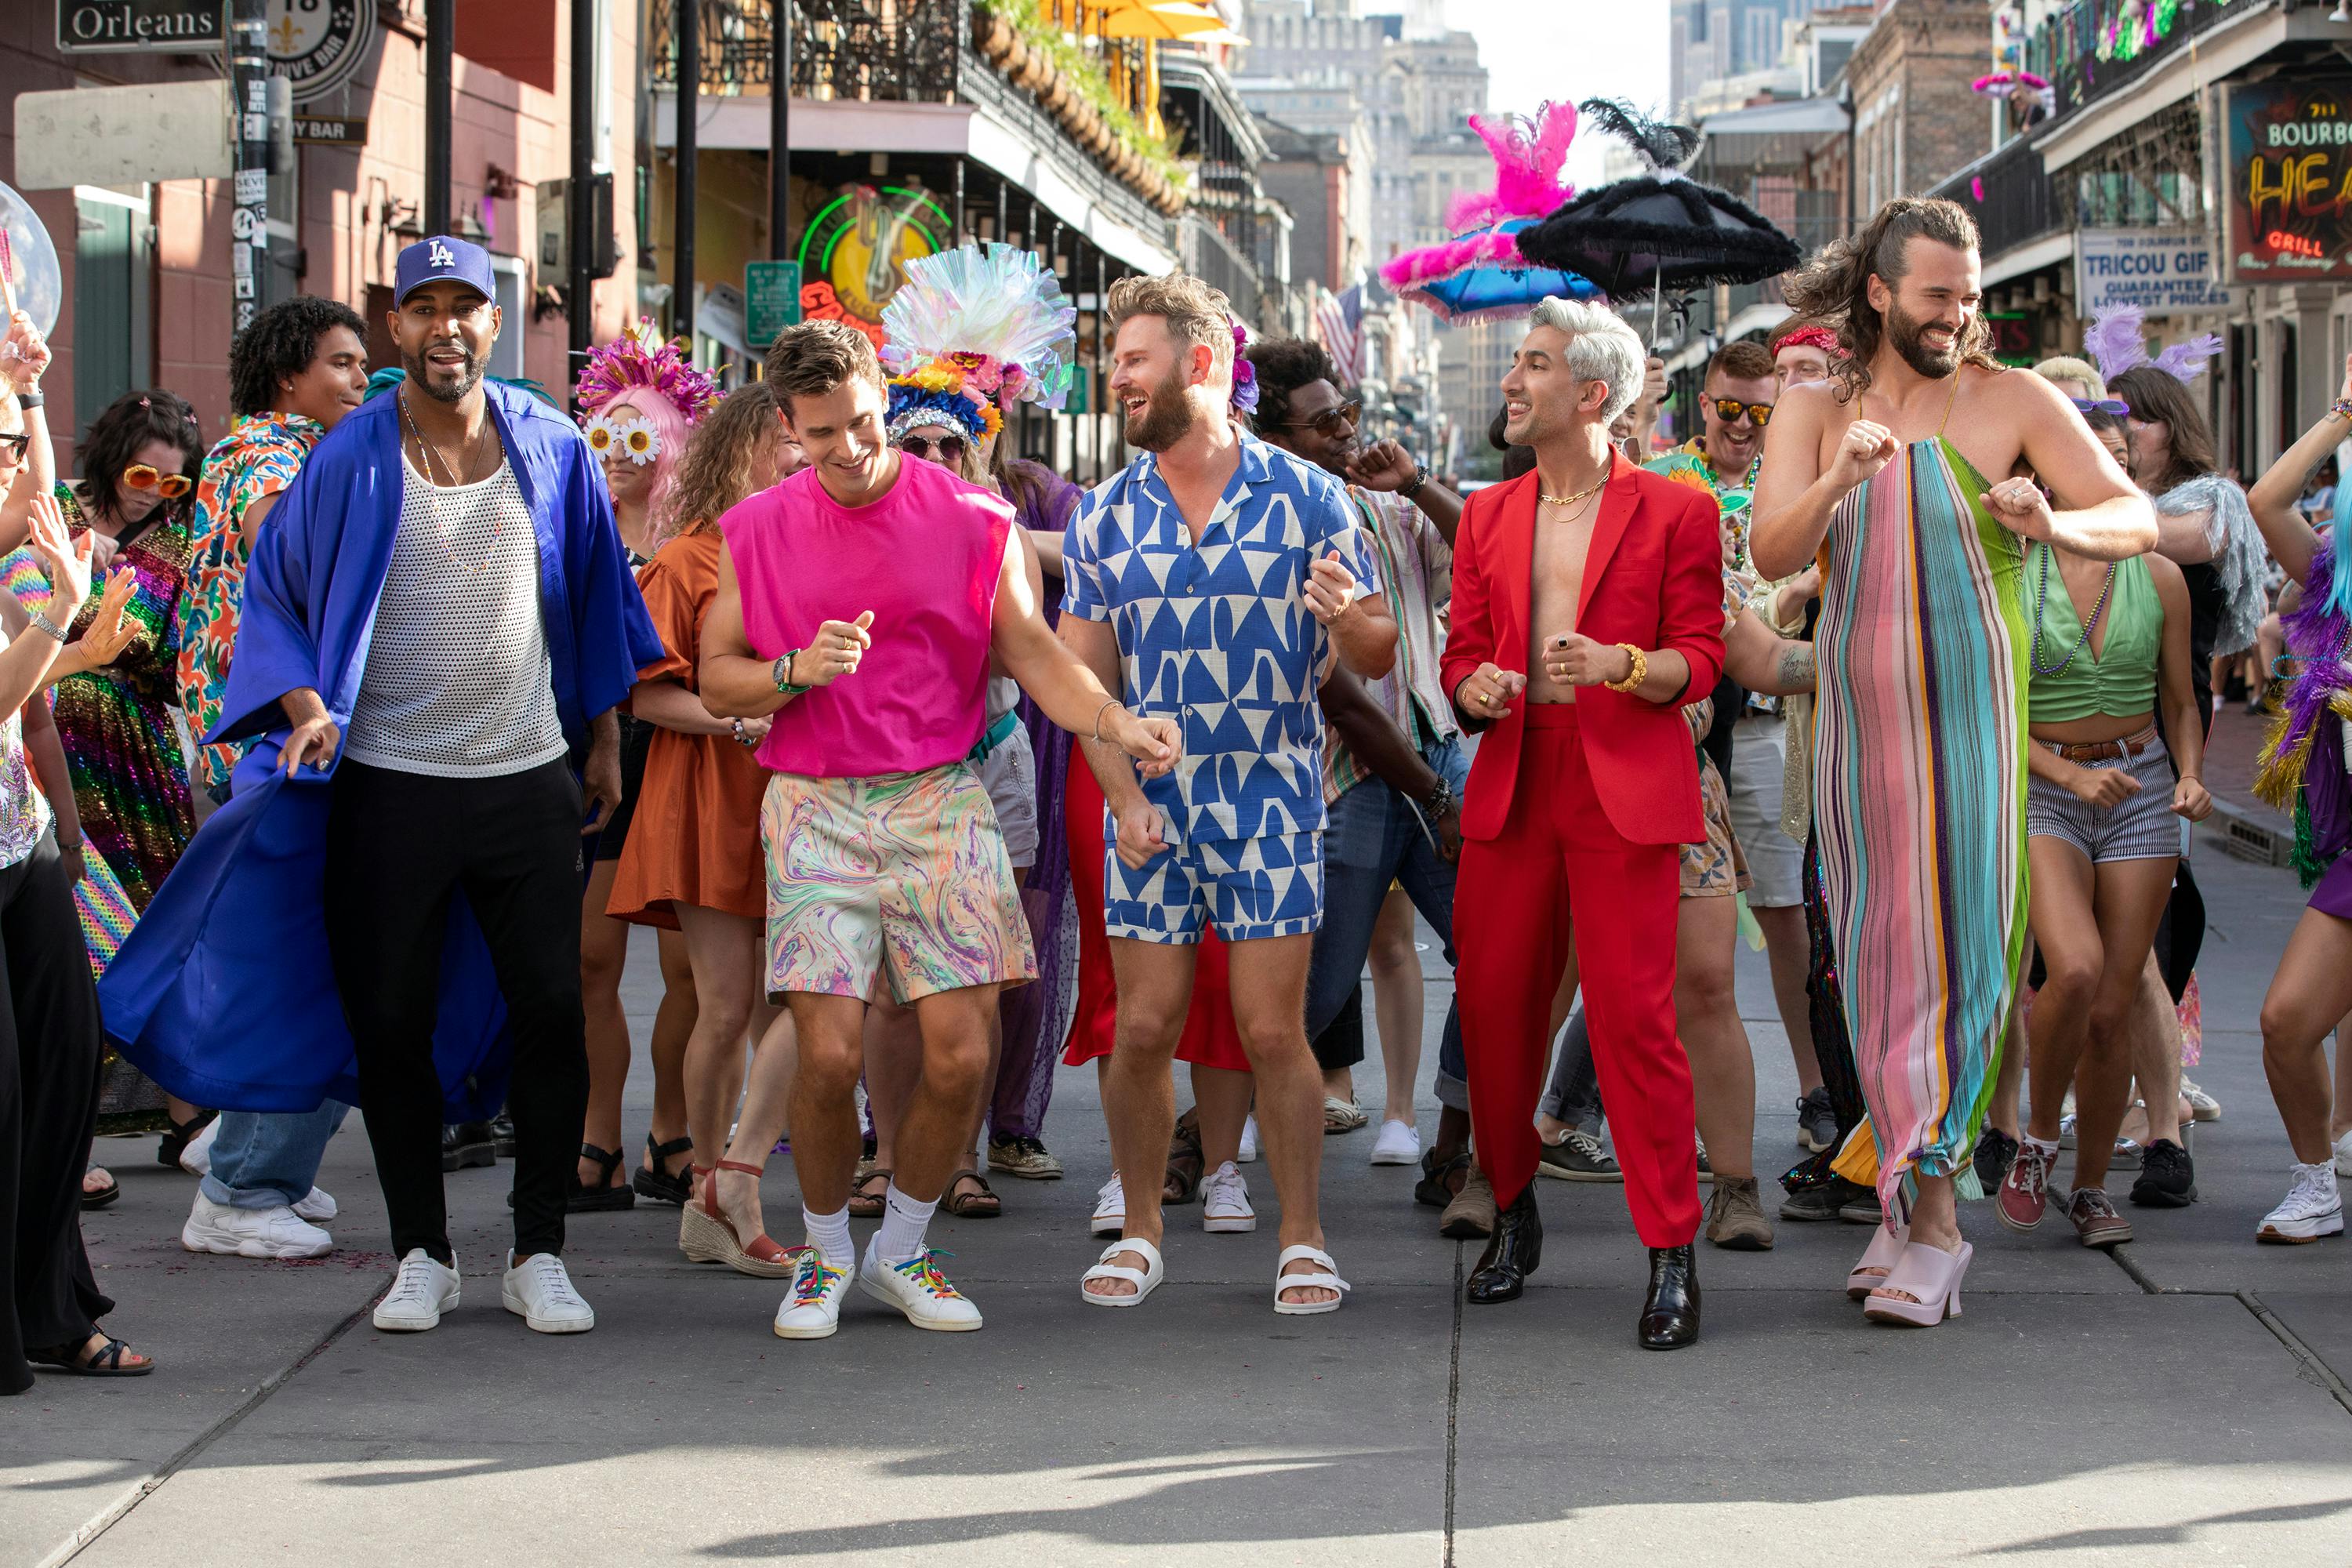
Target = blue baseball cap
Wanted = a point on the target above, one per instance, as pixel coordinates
(443, 258)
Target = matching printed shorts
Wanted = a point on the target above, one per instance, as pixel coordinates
(903, 875)
(1247, 889)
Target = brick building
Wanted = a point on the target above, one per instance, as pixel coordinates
(1914, 117)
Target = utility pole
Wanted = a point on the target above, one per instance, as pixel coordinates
(689, 91)
(780, 116)
(248, 88)
(580, 313)
(440, 40)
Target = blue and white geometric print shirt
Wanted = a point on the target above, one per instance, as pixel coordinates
(1218, 636)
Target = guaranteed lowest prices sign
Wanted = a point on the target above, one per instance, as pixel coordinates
(2288, 177)
(2160, 271)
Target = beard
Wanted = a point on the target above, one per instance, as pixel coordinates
(1164, 420)
(1908, 336)
(421, 376)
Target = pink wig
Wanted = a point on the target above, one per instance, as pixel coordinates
(668, 424)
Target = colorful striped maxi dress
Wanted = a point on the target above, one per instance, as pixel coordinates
(1919, 803)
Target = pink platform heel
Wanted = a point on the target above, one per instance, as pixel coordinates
(1927, 1273)
(1878, 1260)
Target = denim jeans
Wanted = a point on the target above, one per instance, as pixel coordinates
(1573, 1095)
(1374, 836)
(263, 1162)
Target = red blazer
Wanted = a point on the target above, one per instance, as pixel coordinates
(1653, 578)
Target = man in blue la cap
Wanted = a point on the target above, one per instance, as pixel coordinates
(439, 619)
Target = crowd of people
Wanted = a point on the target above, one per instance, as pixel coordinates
(933, 772)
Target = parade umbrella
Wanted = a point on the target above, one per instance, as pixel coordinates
(1174, 21)
(29, 279)
(1479, 273)
(1658, 231)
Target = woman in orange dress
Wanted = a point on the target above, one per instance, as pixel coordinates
(692, 862)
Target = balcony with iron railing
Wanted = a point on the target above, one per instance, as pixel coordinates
(1203, 250)
(2095, 49)
(1090, 95)
(2010, 195)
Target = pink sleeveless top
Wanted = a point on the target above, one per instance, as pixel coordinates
(925, 558)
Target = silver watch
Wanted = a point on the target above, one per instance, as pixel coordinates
(42, 622)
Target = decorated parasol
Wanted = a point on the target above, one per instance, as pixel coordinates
(29, 279)
(1480, 272)
(1658, 231)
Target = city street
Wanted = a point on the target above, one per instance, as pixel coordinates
(2184, 1400)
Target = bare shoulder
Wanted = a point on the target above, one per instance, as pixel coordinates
(2016, 392)
(1816, 403)
(2170, 584)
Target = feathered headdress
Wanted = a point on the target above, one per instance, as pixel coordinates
(1529, 153)
(2117, 342)
(637, 359)
(971, 332)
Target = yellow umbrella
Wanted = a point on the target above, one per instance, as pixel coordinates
(1175, 20)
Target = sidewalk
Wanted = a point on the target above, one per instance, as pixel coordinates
(2175, 1402)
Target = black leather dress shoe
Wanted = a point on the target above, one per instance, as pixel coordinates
(1511, 1255)
(1670, 1317)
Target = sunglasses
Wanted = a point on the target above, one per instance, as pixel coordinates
(146, 477)
(1729, 409)
(2114, 406)
(950, 449)
(14, 447)
(1329, 421)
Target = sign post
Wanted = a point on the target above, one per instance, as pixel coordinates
(248, 220)
(772, 292)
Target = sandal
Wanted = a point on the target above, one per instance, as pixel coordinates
(982, 1204)
(607, 1196)
(1930, 1277)
(1186, 1164)
(863, 1204)
(103, 1196)
(113, 1358)
(707, 1236)
(1341, 1115)
(175, 1143)
(1878, 1260)
(1145, 1279)
(1325, 1274)
(654, 1179)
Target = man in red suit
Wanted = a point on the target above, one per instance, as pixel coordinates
(1588, 604)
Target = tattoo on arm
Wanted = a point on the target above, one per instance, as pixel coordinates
(1797, 666)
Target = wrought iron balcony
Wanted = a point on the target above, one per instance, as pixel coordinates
(898, 51)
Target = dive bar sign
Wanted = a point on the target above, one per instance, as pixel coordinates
(312, 131)
(160, 26)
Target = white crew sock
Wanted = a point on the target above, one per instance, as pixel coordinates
(904, 1220)
(829, 1234)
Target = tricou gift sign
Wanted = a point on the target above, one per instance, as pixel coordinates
(2287, 173)
(2160, 271)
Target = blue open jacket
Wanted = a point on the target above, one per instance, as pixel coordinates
(224, 994)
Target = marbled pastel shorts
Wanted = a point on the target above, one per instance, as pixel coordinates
(903, 875)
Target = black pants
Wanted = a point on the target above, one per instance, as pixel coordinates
(398, 845)
(48, 1104)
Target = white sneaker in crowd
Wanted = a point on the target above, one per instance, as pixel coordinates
(1224, 1202)
(1398, 1144)
(812, 1307)
(918, 1288)
(2311, 1209)
(316, 1206)
(420, 1293)
(1111, 1208)
(197, 1159)
(1248, 1155)
(2343, 1155)
(2201, 1105)
(539, 1291)
(277, 1232)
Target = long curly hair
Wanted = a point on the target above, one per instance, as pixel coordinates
(716, 471)
(1833, 288)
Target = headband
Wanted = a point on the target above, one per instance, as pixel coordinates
(1819, 338)
(638, 358)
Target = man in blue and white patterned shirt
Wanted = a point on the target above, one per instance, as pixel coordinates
(1214, 580)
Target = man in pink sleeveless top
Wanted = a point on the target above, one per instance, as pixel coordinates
(858, 604)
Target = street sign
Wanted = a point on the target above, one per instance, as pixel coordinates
(318, 44)
(772, 289)
(158, 26)
(123, 135)
(317, 132)
(2161, 270)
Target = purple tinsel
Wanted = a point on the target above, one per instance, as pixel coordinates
(2315, 639)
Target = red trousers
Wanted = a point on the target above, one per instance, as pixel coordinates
(1557, 867)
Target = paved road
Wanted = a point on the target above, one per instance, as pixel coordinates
(2184, 1402)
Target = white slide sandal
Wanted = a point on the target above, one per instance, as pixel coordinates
(1145, 1279)
(1328, 1278)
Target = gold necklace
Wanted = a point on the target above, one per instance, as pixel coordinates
(1570, 501)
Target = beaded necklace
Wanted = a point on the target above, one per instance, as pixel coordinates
(2090, 623)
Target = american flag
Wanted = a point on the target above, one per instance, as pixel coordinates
(1339, 321)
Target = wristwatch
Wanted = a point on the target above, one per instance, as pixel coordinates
(1412, 486)
(30, 399)
(1439, 802)
(42, 622)
(782, 673)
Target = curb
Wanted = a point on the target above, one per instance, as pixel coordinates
(2252, 833)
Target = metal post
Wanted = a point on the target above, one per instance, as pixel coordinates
(1004, 193)
(580, 313)
(780, 145)
(956, 228)
(250, 107)
(690, 93)
(1099, 402)
(440, 40)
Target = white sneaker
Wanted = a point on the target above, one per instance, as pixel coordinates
(1224, 1202)
(197, 1159)
(2201, 1105)
(2312, 1208)
(420, 1293)
(540, 1292)
(1248, 1155)
(233, 1232)
(2343, 1155)
(1111, 1208)
(1398, 1144)
(812, 1307)
(918, 1288)
(316, 1206)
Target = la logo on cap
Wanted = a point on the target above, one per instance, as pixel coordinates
(439, 255)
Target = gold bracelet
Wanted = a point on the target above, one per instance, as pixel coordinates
(1641, 670)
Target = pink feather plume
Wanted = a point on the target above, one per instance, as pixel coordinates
(1529, 153)
(1434, 263)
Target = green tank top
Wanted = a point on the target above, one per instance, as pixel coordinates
(2119, 682)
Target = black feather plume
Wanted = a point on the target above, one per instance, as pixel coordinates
(1662, 144)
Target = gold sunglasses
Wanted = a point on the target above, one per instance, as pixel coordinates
(147, 476)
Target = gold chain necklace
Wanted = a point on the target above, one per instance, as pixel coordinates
(1572, 501)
